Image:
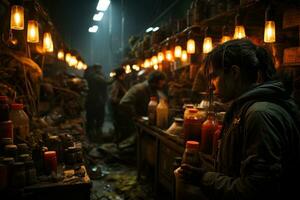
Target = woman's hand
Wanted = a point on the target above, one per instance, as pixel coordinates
(191, 174)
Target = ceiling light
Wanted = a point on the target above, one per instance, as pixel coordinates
(149, 29)
(155, 29)
(93, 29)
(98, 17)
(103, 5)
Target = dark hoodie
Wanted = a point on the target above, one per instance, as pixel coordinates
(259, 155)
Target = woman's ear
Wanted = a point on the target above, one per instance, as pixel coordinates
(236, 72)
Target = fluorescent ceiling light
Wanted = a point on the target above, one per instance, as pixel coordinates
(93, 29)
(98, 17)
(155, 29)
(149, 29)
(103, 5)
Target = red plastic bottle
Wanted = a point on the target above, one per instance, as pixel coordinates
(208, 129)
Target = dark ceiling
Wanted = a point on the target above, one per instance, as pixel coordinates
(72, 19)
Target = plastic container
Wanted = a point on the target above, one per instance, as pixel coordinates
(185, 190)
(162, 114)
(217, 133)
(191, 154)
(6, 129)
(11, 150)
(3, 142)
(20, 121)
(186, 109)
(208, 129)
(152, 110)
(50, 162)
(192, 125)
(4, 108)
(176, 127)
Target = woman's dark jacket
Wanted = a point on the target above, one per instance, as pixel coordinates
(259, 155)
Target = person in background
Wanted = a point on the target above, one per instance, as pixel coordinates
(259, 153)
(117, 90)
(135, 102)
(95, 101)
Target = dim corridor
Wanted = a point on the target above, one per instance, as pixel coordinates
(112, 170)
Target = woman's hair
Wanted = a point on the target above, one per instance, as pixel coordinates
(252, 60)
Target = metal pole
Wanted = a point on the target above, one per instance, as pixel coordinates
(122, 28)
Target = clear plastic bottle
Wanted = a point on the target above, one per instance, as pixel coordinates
(162, 114)
(20, 121)
(152, 110)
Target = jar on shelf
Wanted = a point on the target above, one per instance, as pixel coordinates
(186, 109)
(192, 125)
(152, 110)
(50, 162)
(176, 127)
(3, 142)
(11, 150)
(20, 121)
(208, 129)
(4, 109)
(162, 114)
(6, 129)
(217, 133)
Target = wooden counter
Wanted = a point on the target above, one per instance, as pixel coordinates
(156, 151)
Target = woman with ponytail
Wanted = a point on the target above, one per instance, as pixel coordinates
(259, 153)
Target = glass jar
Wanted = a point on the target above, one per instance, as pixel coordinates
(6, 129)
(20, 121)
(152, 110)
(176, 128)
(192, 125)
(50, 162)
(70, 156)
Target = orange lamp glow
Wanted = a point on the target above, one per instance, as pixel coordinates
(184, 56)
(160, 57)
(61, 55)
(191, 46)
(225, 38)
(239, 32)
(169, 55)
(207, 45)
(33, 31)
(47, 42)
(17, 17)
(154, 60)
(270, 33)
(177, 51)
